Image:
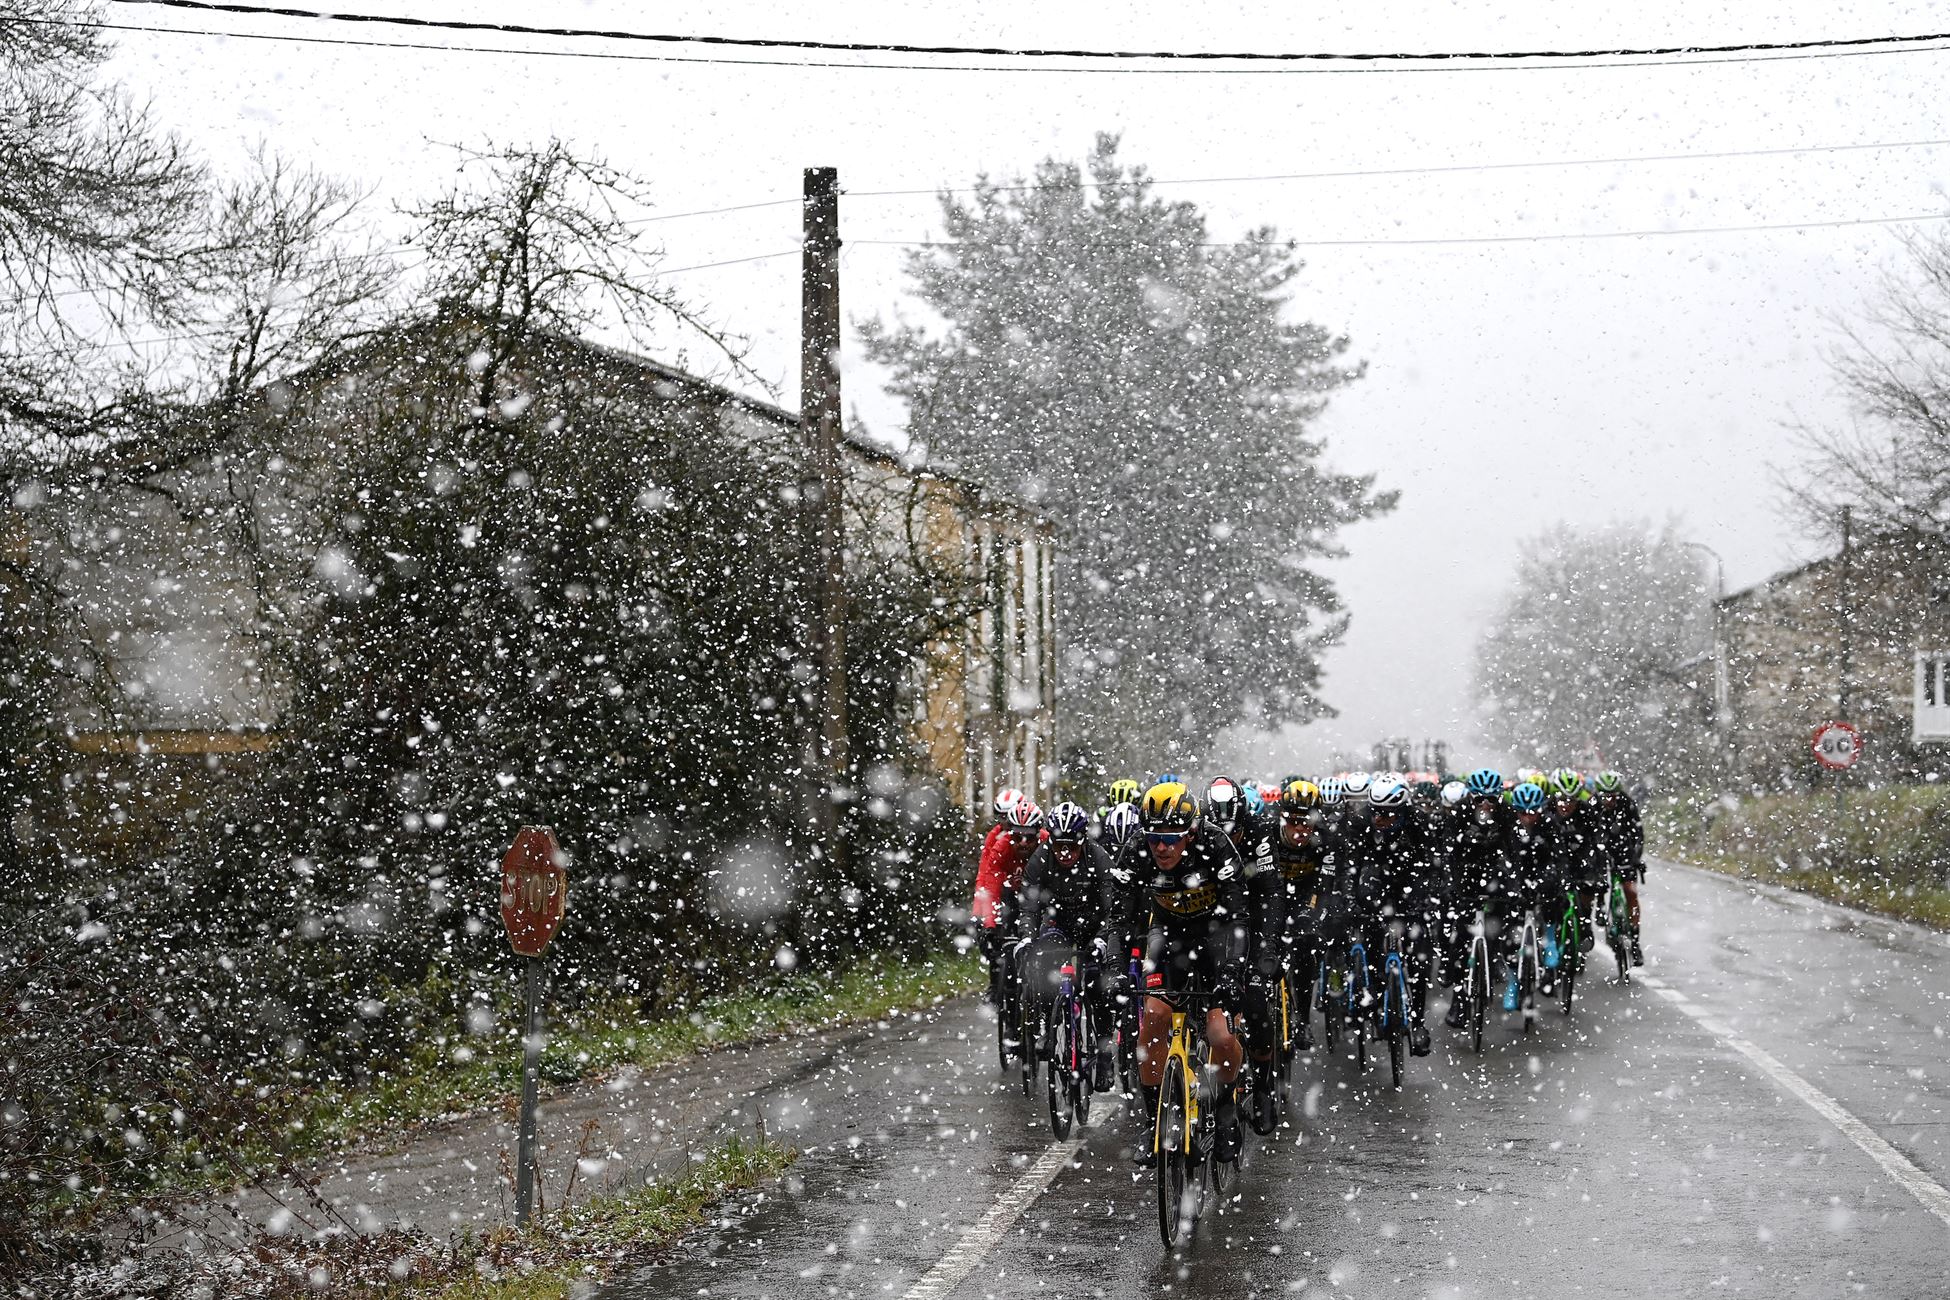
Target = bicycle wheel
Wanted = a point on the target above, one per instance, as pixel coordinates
(1479, 993)
(1032, 1035)
(1529, 966)
(1397, 1014)
(1083, 1057)
(1057, 1076)
(1329, 1016)
(1169, 1136)
(1358, 1027)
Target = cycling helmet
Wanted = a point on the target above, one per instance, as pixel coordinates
(1356, 784)
(1608, 782)
(1125, 790)
(1299, 796)
(1453, 794)
(1387, 793)
(1004, 801)
(1528, 797)
(1168, 778)
(1566, 783)
(1168, 806)
(1121, 825)
(1332, 791)
(1068, 823)
(1225, 803)
(1255, 801)
(1485, 782)
(1025, 816)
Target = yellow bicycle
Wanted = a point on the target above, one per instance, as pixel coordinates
(1184, 1130)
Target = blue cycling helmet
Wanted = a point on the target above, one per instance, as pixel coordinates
(1121, 825)
(1068, 823)
(1332, 791)
(1528, 797)
(1485, 782)
(1255, 801)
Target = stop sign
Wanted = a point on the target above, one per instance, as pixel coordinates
(1837, 745)
(534, 890)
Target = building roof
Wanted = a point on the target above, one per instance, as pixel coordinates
(977, 493)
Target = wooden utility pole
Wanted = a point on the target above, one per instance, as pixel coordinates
(1842, 633)
(820, 486)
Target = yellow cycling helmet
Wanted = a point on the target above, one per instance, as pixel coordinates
(1299, 796)
(1125, 790)
(1168, 806)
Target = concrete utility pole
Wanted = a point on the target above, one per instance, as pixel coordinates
(820, 486)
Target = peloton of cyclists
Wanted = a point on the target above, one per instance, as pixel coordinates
(1227, 897)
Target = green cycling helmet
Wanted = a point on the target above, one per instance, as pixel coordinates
(1608, 782)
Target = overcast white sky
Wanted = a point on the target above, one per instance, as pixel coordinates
(1510, 384)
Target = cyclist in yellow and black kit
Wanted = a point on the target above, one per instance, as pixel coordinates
(1185, 892)
(1306, 870)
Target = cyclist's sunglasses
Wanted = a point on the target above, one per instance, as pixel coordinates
(1165, 839)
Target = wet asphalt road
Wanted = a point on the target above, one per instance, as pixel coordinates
(1628, 1151)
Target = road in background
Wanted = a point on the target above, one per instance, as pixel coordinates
(1634, 1149)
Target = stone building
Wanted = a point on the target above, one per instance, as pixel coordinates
(187, 685)
(1784, 642)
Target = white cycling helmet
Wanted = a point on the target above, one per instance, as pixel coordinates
(1453, 794)
(1388, 793)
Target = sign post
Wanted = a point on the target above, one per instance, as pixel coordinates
(534, 898)
(1837, 747)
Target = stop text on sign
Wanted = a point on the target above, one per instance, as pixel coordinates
(534, 890)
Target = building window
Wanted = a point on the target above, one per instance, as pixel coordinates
(1932, 696)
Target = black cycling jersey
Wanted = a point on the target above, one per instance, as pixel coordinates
(1393, 867)
(1078, 899)
(1208, 883)
(1620, 831)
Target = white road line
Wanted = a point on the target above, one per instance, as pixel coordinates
(1933, 1195)
(989, 1230)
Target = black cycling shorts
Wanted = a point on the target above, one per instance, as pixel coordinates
(1180, 957)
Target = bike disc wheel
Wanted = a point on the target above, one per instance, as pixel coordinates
(1479, 1003)
(1527, 989)
(1168, 1133)
(1058, 1081)
(1397, 1028)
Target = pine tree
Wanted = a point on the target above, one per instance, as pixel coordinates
(1104, 359)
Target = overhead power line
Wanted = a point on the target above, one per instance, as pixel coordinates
(1432, 169)
(1121, 60)
(1541, 237)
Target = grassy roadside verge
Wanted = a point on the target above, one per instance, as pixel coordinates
(601, 1237)
(1887, 853)
(448, 1079)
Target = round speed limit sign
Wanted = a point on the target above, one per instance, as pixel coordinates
(1837, 745)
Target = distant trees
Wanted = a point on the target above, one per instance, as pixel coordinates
(1603, 641)
(1100, 355)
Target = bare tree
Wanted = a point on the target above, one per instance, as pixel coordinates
(541, 238)
(1891, 461)
(98, 217)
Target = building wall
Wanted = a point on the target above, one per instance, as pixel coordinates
(1783, 644)
(172, 600)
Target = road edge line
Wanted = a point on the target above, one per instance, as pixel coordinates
(987, 1232)
(1933, 1195)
